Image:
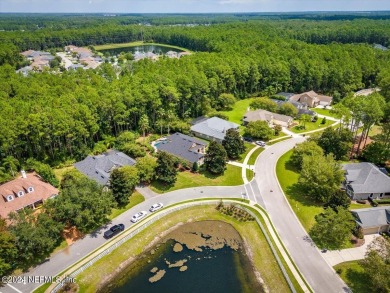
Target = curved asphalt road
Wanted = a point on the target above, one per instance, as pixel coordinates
(321, 277)
(72, 254)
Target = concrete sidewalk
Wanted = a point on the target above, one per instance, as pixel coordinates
(338, 256)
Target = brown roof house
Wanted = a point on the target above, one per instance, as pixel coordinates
(271, 118)
(27, 191)
(312, 99)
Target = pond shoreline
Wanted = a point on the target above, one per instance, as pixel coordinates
(196, 240)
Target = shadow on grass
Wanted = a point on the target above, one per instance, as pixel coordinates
(210, 175)
(161, 185)
(358, 281)
(296, 192)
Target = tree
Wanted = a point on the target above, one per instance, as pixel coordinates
(44, 170)
(320, 176)
(224, 102)
(376, 264)
(146, 168)
(165, 169)
(303, 119)
(337, 199)
(8, 249)
(195, 167)
(265, 104)
(259, 129)
(11, 164)
(332, 228)
(82, 203)
(144, 124)
(301, 150)
(215, 159)
(123, 182)
(288, 109)
(376, 153)
(35, 237)
(336, 142)
(277, 129)
(233, 143)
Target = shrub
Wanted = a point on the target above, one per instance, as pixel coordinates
(339, 271)
(323, 120)
(381, 201)
(361, 201)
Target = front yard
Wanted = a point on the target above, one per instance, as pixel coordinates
(304, 207)
(353, 275)
(186, 179)
(309, 126)
(325, 112)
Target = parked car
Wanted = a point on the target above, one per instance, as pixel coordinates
(248, 139)
(156, 207)
(113, 231)
(260, 143)
(138, 216)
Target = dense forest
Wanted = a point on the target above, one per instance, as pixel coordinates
(60, 117)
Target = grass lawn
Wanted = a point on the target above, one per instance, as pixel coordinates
(375, 130)
(61, 171)
(304, 207)
(355, 206)
(254, 156)
(133, 44)
(238, 111)
(312, 126)
(325, 112)
(353, 275)
(248, 147)
(232, 176)
(279, 140)
(261, 256)
(249, 174)
(135, 199)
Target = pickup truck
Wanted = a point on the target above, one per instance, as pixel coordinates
(113, 231)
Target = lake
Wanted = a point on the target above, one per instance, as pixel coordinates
(156, 49)
(196, 266)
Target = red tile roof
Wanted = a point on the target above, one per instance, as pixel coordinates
(42, 191)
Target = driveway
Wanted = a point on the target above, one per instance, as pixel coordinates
(319, 274)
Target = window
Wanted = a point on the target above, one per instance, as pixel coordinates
(381, 195)
(20, 193)
(10, 197)
(30, 189)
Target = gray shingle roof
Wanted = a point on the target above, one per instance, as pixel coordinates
(366, 178)
(183, 146)
(99, 167)
(372, 217)
(265, 115)
(214, 127)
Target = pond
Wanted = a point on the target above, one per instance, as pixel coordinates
(204, 256)
(156, 49)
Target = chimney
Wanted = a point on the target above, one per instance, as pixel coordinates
(24, 175)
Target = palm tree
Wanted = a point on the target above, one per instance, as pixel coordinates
(11, 164)
(144, 124)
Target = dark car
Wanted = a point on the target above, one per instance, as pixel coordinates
(248, 139)
(113, 231)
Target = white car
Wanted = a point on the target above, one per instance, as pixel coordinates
(138, 216)
(156, 207)
(260, 143)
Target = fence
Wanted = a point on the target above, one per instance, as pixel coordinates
(162, 214)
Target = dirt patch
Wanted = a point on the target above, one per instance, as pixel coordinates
(183, 268)
(210, 234)
(71, 235)
(356, 242)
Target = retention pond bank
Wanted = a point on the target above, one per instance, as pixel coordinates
(206, 256)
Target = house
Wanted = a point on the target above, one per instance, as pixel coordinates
(28, 191)
(39, 59)
(213, 128)
(99, 167)
(271, 118)
(365, 180)
(312, 99)
(373, 220)
(302, 108)
(184, 147)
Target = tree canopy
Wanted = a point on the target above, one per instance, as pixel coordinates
(215, 159)
(122, 183)
(233, 143)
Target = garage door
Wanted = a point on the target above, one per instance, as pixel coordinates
(367, 231)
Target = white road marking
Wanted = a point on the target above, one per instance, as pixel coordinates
(14, 288)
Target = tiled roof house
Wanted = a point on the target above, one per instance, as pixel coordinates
(26, 191)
